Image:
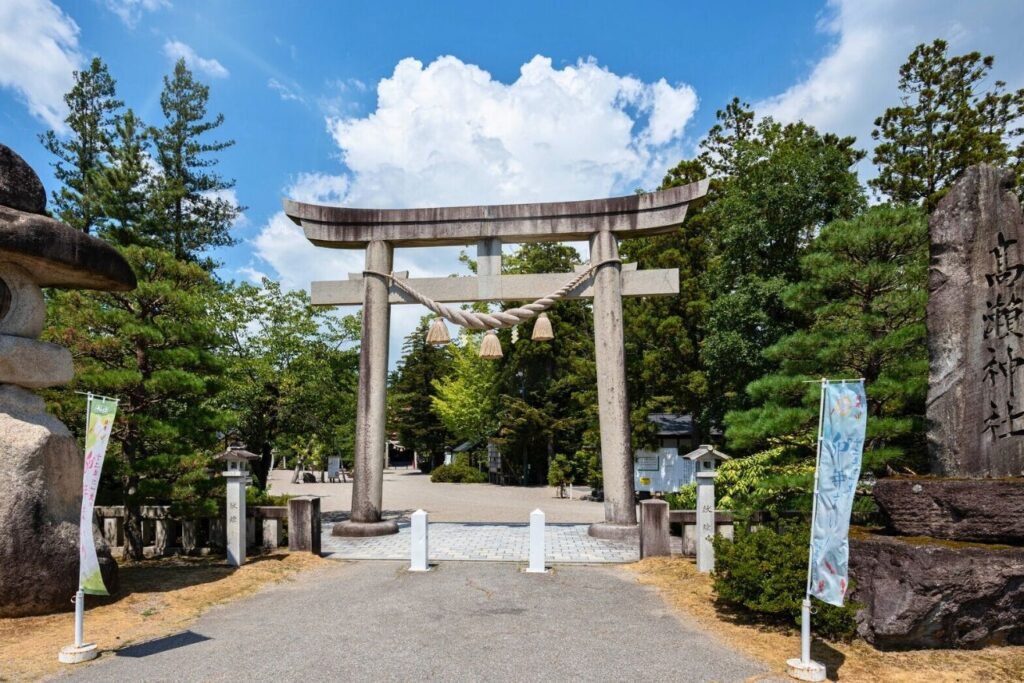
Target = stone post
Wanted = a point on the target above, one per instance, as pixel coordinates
(235, 516)
(705, 520)
(304, 524)
(613, 406)
(654, 531)
(113, 531)
(420, 547)
(272, 533)
(367, 488)
(189, 536)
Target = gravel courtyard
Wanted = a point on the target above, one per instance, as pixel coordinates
(405, 491)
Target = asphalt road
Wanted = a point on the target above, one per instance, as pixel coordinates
(374, 621)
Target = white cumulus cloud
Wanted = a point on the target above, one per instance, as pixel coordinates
(131, 11)
(857, 79)
(447, 133)
(38, 56)
(175, 50)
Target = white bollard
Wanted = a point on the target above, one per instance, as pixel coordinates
(536, 543)
(419, 542)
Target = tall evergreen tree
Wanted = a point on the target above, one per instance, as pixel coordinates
(785, 182)
(410, 388)
(123, 188)
(157, 347)
(92, 107)
(194, 214)
(946, 121)
(548, 401)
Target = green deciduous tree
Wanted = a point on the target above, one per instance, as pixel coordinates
(784, 183)
(864, 295)
(948, 119)
(92, 106)
(291, 372)
(466, 399)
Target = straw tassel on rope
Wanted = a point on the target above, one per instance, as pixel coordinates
(542, 329)
(490, 347)
(438, 333)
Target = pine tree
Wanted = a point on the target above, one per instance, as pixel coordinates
(123, 187)
(947, 120)
(194, 216)
(864, 293)
(156, 349)
(92, 106)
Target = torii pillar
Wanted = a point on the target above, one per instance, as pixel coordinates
(602, 222)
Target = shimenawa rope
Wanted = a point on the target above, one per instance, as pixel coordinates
(498, 319)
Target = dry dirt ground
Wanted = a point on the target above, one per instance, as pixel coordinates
(157, 598)
(405, 491)
(689, 592)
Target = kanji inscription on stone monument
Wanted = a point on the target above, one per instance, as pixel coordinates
(976, 329)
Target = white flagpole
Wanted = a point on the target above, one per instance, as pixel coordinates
(805, 669)
(80, 651)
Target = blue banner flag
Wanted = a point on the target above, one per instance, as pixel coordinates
(841, 444)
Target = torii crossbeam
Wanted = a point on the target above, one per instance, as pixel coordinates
(602, 222)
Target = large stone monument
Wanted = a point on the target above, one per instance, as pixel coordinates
(41, 473)
(949, 574)
(976, 329)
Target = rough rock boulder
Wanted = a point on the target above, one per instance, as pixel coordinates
(937, 594)
(40, 490)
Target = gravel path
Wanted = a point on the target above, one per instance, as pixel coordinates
(405, 491)
(373, 621)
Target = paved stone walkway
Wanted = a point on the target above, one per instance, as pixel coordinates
(563, 543)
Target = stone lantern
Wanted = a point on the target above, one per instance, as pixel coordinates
(705, 463)
(41, 485)
(236, 461)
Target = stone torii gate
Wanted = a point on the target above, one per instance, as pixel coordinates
(602, 222)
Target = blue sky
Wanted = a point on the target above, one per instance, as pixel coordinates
(402, 103)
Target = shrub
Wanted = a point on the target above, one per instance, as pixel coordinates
(458, 474)
(765, 572)
(685, 499)
(254, 496)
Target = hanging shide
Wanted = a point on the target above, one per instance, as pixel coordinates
(542, 329)
(438, 333)
(490, 347)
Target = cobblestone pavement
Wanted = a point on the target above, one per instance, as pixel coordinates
(563, 543)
